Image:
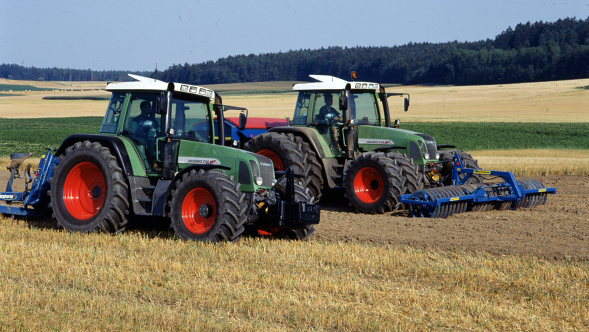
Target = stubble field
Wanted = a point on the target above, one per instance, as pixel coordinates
(508, 270)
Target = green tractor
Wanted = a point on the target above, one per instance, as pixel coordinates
(159, 153)
(353, 145)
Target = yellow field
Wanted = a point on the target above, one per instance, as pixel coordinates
(535, 162)
(54, 280)
(519, 162)
(558, 101)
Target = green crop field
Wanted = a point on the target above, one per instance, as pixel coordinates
(35, 135)
(14, 87)
(77, 97)
(505, 135)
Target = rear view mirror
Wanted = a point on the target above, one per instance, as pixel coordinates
(406, 104)
(161, 104)
(343, 103)
(242, 121)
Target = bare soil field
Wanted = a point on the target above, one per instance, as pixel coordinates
(558, 230)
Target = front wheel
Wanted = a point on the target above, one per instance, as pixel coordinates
(373, 183)
(207, 206)
(88, 190)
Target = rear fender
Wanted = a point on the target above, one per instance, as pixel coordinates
(125, 153)
(308, 136)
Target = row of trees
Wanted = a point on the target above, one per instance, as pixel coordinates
(16, 72)
(530, 52)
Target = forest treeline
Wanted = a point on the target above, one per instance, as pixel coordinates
(17, 72)
(529, 52)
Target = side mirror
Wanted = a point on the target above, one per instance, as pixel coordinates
(343, 103)
(406, 104)
(242, 121)
(161, 104)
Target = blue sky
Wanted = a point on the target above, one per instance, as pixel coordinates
(135, 35)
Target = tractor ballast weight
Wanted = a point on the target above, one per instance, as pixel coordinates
(443, 202)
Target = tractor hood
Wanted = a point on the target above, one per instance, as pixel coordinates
(420, 147)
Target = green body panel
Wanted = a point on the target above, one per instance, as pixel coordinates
(322, 141)
(372, 137)
(136, 164)
(192, 153)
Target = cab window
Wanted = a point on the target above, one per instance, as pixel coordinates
(191, 120)
(363, 106)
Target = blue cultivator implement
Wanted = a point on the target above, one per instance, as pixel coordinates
(34, 201)
(443, 202)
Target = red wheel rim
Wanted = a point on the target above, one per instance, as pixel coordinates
(278, 166)
(83, 190)
(368, 185)
(191, 216)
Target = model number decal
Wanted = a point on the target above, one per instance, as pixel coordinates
(266, 164)
(200, 161)
(375, 141)
(481, 172)
(7, 196)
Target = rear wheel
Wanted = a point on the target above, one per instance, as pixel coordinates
(313, 177)
(283, 151)
(448, 165)
(287, 150)
(207, 206)
(88, 190)
(373, 183)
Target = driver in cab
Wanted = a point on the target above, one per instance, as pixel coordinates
(327, 112)
(139, 120)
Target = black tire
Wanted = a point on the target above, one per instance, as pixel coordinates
(313, 172)
(207, 206)
(373, 183)
(448, 165)
(91, 167)
(281, 149)
(413, 179)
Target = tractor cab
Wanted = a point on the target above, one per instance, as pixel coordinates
(138, 111)
(353, 117)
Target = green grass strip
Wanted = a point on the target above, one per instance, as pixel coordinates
(505, 135)
(77, 97)
(14, 88)
(35, 135)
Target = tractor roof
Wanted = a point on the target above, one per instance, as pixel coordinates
(150, 84)
(327, 82)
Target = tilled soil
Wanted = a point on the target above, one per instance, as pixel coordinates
(558, 230)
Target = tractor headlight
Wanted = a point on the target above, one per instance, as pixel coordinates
(259, 180)
(274, 181)
(437, 156)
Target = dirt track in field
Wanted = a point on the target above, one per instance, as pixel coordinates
(555, 231)
(558, 230)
